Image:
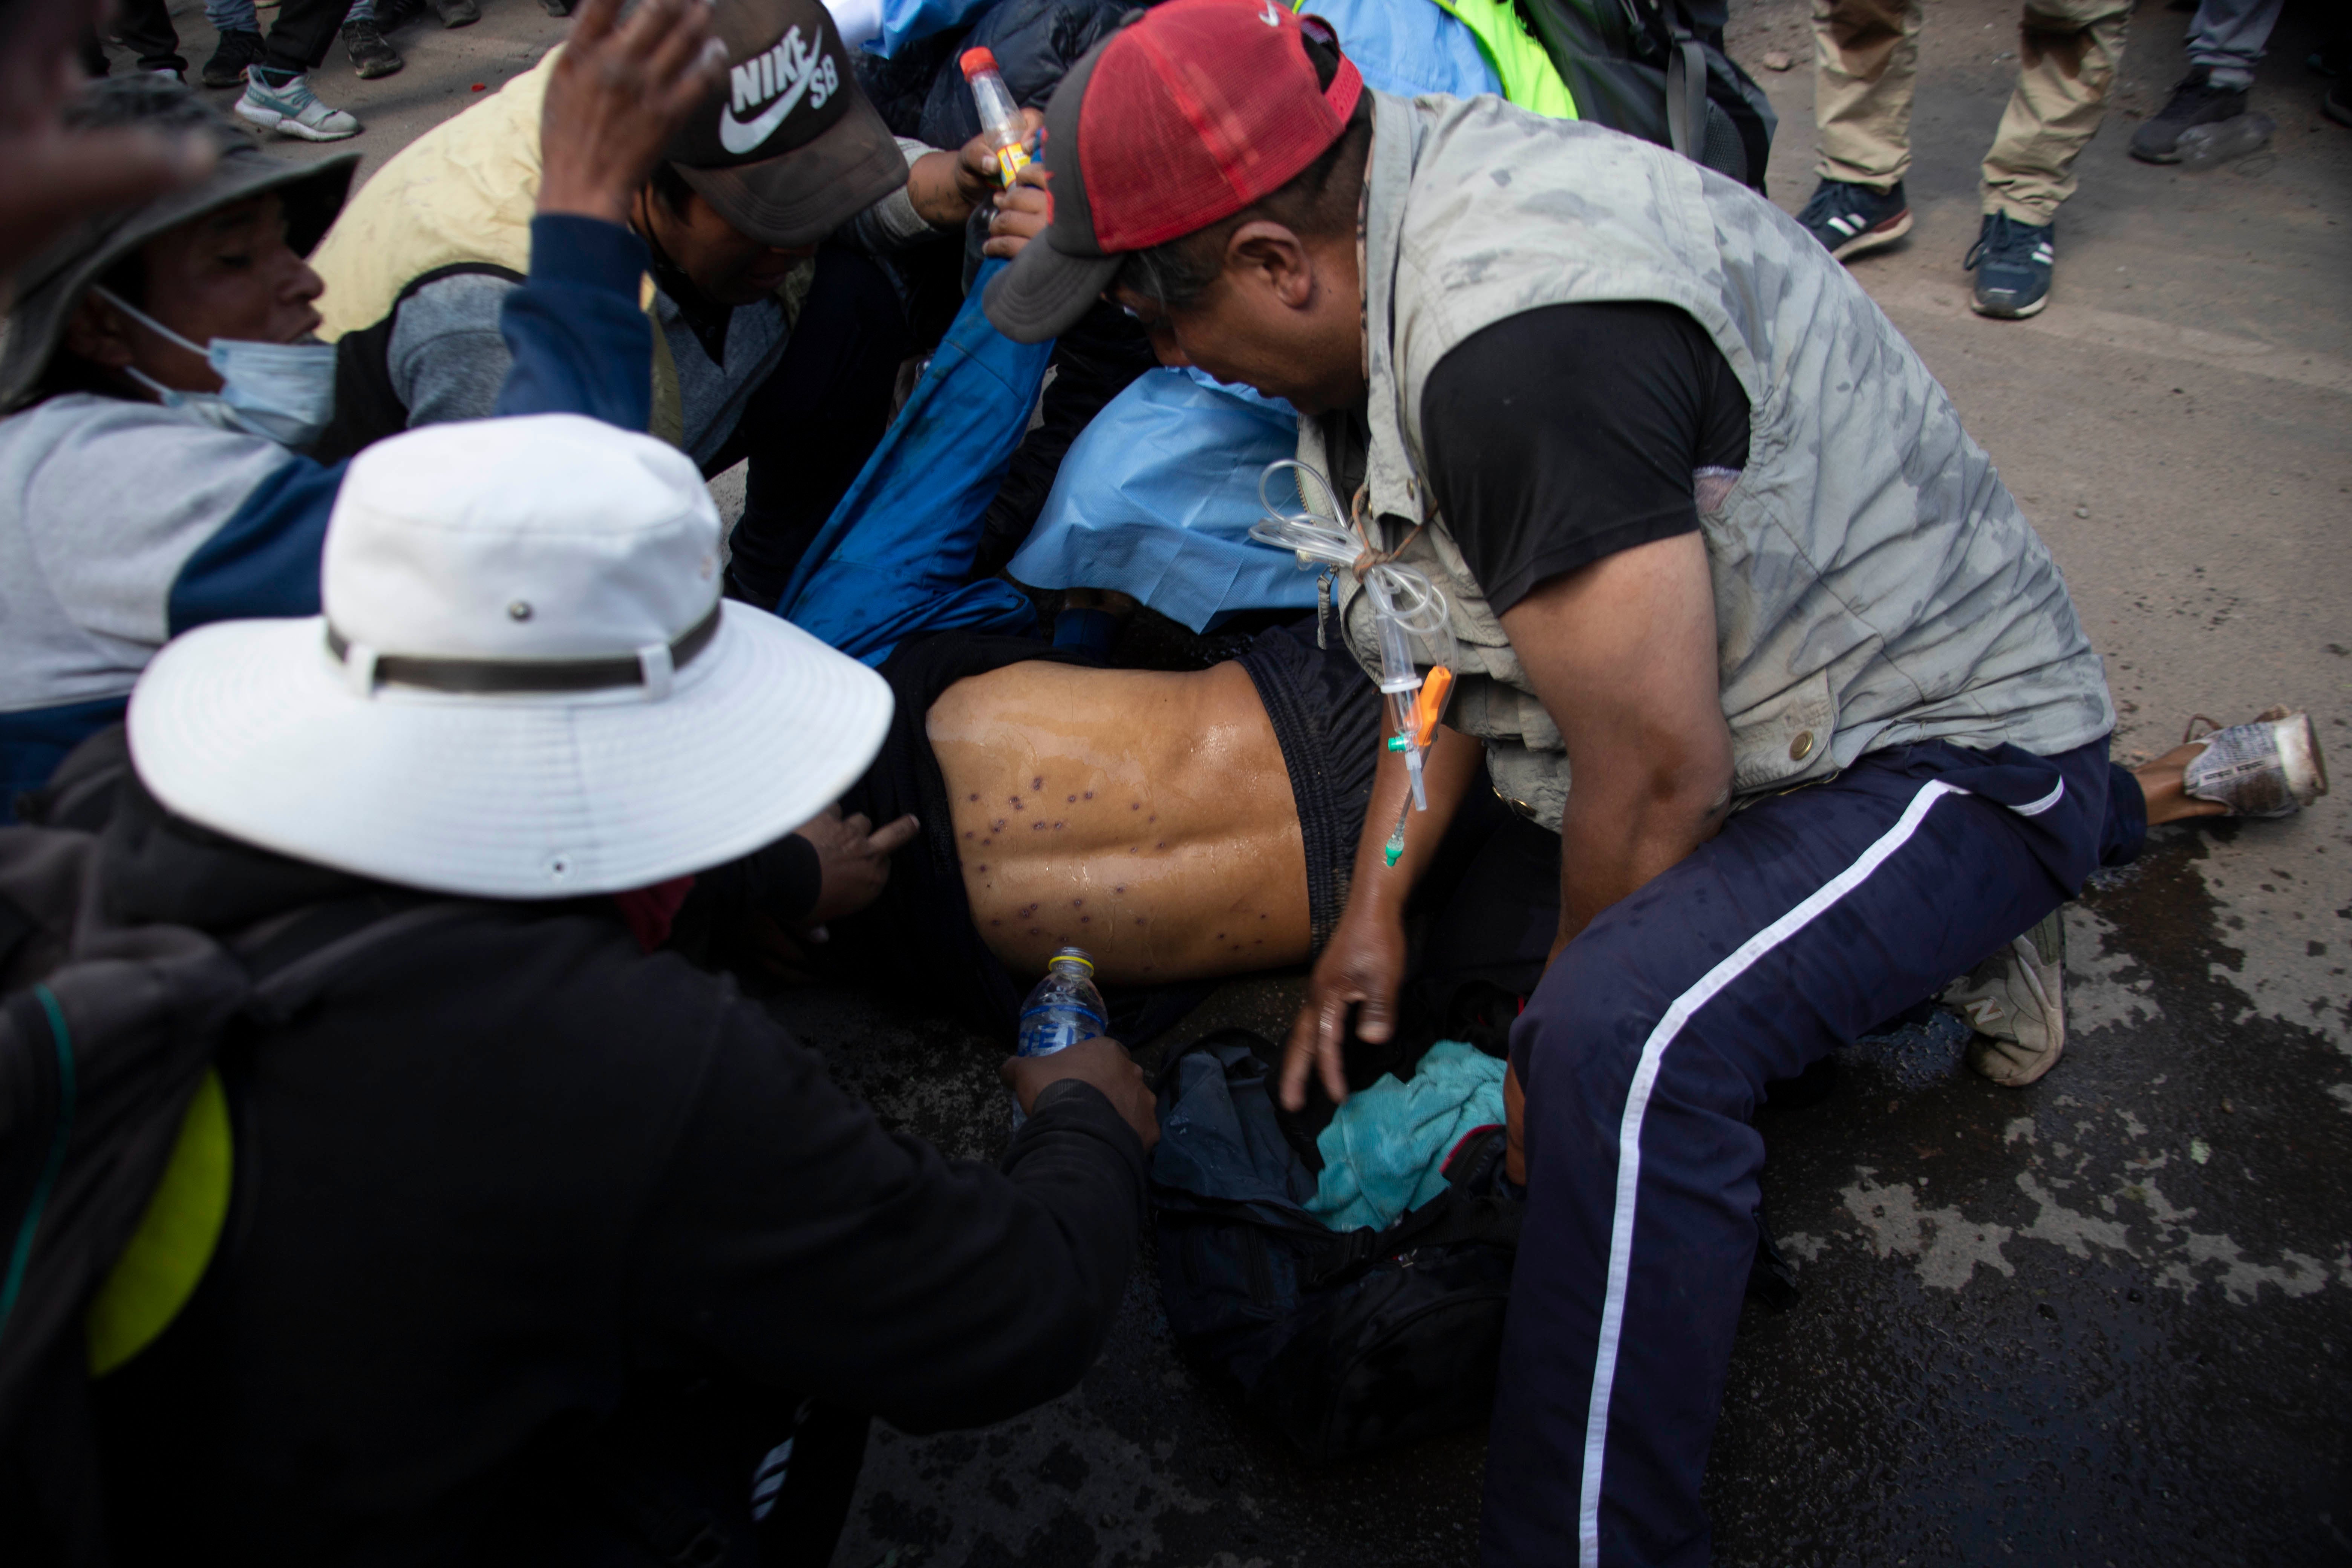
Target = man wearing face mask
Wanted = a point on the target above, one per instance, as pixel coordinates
(161, 376)
(778, 336)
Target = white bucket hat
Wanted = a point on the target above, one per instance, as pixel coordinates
(525, 685)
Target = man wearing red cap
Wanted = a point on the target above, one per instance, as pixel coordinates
(1711, 538)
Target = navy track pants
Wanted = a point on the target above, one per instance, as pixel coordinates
(1812, 916)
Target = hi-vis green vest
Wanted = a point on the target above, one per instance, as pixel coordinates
(1529, 78)
(463, 193)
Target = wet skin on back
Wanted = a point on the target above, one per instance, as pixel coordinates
(1146, 817)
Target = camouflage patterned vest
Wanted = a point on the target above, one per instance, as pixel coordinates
(1874, 582)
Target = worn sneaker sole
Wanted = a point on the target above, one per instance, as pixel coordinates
(2016, 1003)
(2005, 312)
(1876, 237)
(286, 125)
(2270, 768)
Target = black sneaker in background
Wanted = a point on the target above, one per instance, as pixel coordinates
(1849, 220)
(458, 13)
(2012, 262)
(371, 55)
(239, 49)
(2196, 102)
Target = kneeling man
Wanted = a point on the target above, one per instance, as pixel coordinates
(1715, 544)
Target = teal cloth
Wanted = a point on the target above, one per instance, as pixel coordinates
(1384, 1153)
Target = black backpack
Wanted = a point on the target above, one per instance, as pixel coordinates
(105, 1033)
(1347, 1342)
(1657, 69)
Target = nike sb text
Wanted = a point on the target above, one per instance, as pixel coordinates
(784, 74)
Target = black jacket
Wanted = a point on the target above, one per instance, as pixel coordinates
(509, 1181)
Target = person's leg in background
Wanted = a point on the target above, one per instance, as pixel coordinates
(1865, 66)
(146, 29)
(239, 27)
(372, 53)
(278, 95)
(1645, 1049)
(2068, 52)
(812, 423)
(2225, 40)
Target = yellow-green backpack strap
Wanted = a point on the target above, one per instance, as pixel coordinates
(174, 1244)
(1529, 78)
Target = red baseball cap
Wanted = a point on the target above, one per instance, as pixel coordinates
(1184, 116)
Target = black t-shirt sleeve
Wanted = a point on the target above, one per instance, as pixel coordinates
(1564, 434)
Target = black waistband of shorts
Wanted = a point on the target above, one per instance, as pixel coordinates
(1326, 719)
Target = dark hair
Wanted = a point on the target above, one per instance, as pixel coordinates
(1316, 202)
(671, 188)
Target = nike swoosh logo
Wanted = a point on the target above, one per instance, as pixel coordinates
(1270, 18)
(738, 137)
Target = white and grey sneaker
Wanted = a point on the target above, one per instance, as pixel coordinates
(283, 102)
(2016, 1001)
(2271, 767)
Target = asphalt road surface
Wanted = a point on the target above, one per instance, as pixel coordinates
(2106, 1320)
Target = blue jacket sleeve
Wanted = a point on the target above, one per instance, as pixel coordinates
(581, 345)
(909, 21)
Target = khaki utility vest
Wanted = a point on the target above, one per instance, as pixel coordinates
(464, 194)
(1874, 582)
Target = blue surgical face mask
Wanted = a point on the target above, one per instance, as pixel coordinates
(283, 391)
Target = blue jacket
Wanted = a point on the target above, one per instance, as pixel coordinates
(123, 524)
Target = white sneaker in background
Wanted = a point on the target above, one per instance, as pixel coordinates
(287, 105)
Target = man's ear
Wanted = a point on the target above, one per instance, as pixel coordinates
(1275, 252)
(98, 332)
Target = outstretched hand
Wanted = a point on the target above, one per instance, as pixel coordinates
(1363, 968)
(51, 178)
(853, 859)
(619, 91)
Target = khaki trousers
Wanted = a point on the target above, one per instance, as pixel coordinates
(1866, 61)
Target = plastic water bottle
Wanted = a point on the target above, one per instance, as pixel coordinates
(2204, 146)
(1000, 117)
(1064, 1009)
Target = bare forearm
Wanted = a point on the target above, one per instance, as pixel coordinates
(1447, 771)
(1610, 847)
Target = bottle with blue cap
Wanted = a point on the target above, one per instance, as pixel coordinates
(1064, 1009)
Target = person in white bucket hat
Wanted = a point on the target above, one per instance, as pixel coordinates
(534, 1237)
(524, 685)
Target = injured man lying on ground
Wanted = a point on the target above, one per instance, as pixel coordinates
(1180, 826)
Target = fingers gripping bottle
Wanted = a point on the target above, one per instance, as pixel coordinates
(1064, 1009)
(1000, 117)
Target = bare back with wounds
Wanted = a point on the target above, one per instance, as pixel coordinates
(1146, 817)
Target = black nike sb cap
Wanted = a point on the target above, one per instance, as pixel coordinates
(791, 148)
